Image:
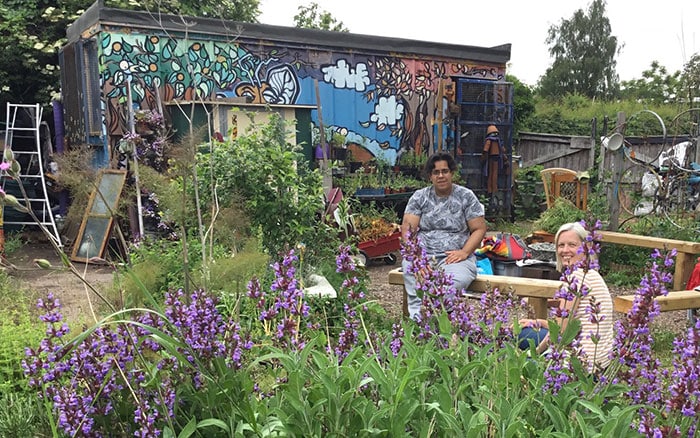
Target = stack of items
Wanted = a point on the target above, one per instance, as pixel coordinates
(543, 262)
(505, 251)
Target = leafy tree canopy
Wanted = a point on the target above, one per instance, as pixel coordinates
(309, 17)
(238, 10)
(691, 79)
(655, 86)
(523, 102)
(584, 53)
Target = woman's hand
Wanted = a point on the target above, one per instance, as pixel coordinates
(456, 256)
(534, 323)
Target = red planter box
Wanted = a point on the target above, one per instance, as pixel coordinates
(383, 246)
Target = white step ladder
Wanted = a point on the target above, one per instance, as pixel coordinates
(23, 136)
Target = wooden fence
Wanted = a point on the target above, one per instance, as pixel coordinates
(553, 150)
(579, 153)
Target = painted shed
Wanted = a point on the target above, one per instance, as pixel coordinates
(385, 95)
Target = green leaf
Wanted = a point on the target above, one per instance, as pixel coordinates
(215, 422)
(556, 415)
(573, 327)
(189, 429)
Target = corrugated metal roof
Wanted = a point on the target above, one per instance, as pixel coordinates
(97, 15)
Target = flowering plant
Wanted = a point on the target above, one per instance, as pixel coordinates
(276, 371)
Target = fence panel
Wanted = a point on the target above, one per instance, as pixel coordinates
(552, 150)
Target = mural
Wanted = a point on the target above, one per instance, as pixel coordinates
(381, 103)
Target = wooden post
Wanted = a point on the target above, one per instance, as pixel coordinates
(132, 130)
(438, 106)
(325, 168)
(616, 162)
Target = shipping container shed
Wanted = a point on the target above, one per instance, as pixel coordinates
(386, 96)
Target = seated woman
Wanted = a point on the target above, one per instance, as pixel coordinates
(450, 223)
(596, 335)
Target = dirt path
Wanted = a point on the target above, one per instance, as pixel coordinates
(58, 280)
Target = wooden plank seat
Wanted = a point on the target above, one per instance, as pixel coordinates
(537, 291)
(677, 300)
(685, 260)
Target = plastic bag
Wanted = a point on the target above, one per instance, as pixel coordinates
(483, 266)
(649, 184)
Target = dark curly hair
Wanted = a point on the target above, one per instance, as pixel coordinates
(439, 156)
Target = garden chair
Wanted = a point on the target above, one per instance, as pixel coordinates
(565, 183)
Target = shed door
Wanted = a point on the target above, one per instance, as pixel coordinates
(483, 103)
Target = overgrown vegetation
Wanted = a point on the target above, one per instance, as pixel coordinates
(528, 193)
(562, 212)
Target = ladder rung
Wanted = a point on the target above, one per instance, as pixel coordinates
(16, 136)
(28, 223)
(15, 128)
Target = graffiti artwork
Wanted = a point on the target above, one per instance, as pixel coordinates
(381, 103)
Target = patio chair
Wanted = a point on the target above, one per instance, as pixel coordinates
(565, 183)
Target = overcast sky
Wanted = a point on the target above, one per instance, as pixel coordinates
(667, 31)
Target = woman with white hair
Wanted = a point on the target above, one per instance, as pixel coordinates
(592, 305)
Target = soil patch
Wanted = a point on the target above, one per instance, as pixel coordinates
(59, 280)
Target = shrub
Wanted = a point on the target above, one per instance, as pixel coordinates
(282, 196)
(18, 329)
(21, 414)
(563, 211)
(528, 194)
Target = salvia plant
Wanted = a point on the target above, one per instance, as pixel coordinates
(184, 369)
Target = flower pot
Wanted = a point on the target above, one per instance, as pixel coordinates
(143, 128)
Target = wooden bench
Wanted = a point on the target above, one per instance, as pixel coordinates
(678, 300)
(536, 290)
(685, 260)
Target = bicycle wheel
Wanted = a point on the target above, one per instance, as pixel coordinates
(646, 123)
(678, 197)
(683, 140)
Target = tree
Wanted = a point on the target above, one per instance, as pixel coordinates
(655, 86)
(309, 18)
(584, 53)
(239, 10)
(523, 103)
(691, 79)
(33, 31)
